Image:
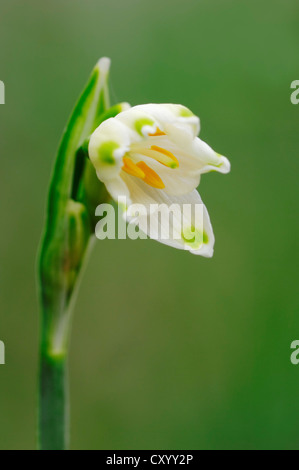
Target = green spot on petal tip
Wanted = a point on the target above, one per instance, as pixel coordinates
(106, 152)
(140, 123)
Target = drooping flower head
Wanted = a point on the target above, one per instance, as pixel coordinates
(151, 155)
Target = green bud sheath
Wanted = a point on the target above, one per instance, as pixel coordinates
(74, 193)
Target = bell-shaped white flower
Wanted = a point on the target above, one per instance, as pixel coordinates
(151, 155)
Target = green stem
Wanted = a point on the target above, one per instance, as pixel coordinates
(54, 404)
(56, 316)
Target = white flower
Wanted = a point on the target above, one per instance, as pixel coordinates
(151, 155)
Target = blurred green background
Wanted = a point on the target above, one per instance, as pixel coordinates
(169, 350)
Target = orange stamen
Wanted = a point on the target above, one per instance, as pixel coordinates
(132, 169)
(167, 154)
(158, 133)
(151, 177)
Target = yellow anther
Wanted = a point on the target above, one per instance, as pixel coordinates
(173, 163)
(132, 169)
(151, 177)
(158, 133)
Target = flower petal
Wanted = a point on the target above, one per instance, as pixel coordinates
(210, 160)
(196, 155)
(117, 188)
(107, 145)
(167, 220)
(140, 124)
(173, 118)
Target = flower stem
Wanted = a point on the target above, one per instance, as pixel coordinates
(56, 316)
(54, 404)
